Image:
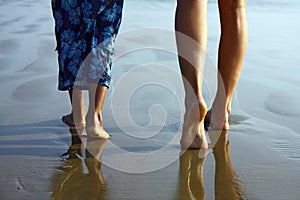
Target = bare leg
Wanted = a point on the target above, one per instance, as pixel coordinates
(78, 109)
(232, 48)
(94, 126)
(191, 21)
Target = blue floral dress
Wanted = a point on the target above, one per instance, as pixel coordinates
(85, 32)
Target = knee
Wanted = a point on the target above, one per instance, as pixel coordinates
(238, 9)
(238, 4)
(233, 14)
(231, 6)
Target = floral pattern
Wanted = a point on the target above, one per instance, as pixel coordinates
(85, 33)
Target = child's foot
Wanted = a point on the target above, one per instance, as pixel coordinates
(68, 119)
(94, 127)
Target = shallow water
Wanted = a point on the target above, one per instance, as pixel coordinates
(264, 137)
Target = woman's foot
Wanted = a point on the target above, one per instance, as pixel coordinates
(75, 119)
(94, 127)
(216, 120)
(193, 134)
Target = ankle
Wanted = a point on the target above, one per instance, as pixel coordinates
(95, 117)
(199, 103)
(228, 107)
(195, 112)
(221, 107)
(99, 117)
(202, 108)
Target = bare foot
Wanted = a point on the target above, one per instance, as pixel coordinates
(68, 119)
(193, 134)
(216, 120)
(94, 127)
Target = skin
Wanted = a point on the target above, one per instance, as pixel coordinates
(94, 125)
(80, 110)
(191, 20)
(93, 119)
(232, 48)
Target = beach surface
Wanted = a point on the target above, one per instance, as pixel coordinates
(258, 158)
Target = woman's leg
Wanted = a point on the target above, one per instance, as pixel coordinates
(232, 48)
(191, 21)
(94, 126)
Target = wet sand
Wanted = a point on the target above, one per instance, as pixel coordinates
(257, 159)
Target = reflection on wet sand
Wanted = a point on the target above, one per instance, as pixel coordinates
(80, 176)
(227, 185)
(191, 185)
(191, 182)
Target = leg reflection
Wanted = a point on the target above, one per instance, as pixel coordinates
(75, 149)
(191, 185)
(80, 176)
(95, 183)
(226, 182)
